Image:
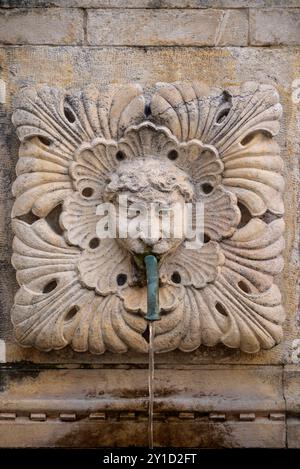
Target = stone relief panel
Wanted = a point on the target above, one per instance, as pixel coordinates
(175, 143)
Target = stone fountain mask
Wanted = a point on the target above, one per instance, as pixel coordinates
(83, 149)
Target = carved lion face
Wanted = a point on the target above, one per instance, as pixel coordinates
(151, 191)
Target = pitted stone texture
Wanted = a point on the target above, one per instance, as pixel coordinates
(41, 26)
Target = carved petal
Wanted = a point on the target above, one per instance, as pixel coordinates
(221, 214)
(203, 163)
(195, 267)
(253, 254)
(99, 268)
(252, 172)
(243, 308)
(93, 163)
(147, 140)
(71, 118)
(34, 259)
(43, 180)
(52, 309)
(79, 220)
(105, 325)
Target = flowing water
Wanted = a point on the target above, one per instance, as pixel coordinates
(151, 384)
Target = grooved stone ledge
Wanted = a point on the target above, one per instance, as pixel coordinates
(193, 408)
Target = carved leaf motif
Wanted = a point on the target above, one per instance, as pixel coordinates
(229, 121)
(43, 180)
(186, 262)
(52, 309)
(252, 172)
(242, 308)
(52, 124)
(147, 140)
(99, 268)
(93, 162)
(221, 214)
(79, 220)
(192, 110)
(203, 163)
(253, 254)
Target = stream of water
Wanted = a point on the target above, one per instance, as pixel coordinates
(151, 384)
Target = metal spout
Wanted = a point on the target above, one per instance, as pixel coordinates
(152, 288)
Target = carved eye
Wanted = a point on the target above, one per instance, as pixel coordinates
(120, 156)
(87, 192)
(121, 279)
(207, 188)
(173, 155)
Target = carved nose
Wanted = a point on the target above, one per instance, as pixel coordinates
(150, 241)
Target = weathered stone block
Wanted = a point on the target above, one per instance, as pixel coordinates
(41, 26)
(293, 432)
(275, 27)
(167, 27)
(292, 388)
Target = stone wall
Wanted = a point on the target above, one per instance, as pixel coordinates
(66, 398)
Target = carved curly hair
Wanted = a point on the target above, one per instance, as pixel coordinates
(148, 176)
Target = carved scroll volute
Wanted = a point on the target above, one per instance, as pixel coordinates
(83, 149)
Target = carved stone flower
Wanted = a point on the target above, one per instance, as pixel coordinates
(81, 150)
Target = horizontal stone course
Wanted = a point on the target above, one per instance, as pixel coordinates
(41, 26)
(144, 27)
(150, 3)
(275, 27)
